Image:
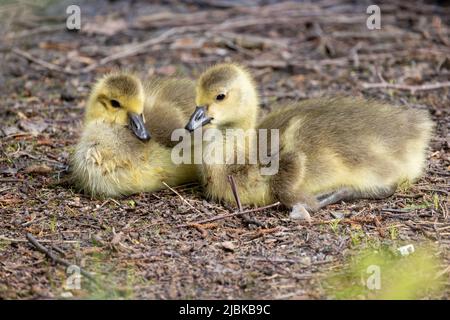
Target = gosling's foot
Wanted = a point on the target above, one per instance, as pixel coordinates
(300, 212)
(335, 197)
(347, 194)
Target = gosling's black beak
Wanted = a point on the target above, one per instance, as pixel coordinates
(138, 127)
(198, 119)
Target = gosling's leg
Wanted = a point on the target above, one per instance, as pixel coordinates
(347, 194)
(287, 189)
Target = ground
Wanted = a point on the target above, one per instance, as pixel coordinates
(139, 246)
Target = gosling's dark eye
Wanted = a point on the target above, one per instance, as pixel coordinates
(115, 104)
(220, 97)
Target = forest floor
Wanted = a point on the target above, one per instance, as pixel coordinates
(137, 247)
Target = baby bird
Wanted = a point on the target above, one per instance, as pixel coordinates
(330, 149)
(125, 146)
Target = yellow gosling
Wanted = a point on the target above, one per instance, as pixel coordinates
(331, 149)
(125, 146)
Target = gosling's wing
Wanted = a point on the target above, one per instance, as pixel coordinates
(349, 127)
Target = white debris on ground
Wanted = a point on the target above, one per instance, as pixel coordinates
(406, 250)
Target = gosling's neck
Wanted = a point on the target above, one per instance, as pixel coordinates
(245, 125)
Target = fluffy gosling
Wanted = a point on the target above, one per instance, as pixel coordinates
(125, 146)
(330, 149)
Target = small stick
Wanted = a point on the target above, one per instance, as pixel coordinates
(11, 180)
(425, 233)
(57, 259)
(261, 232)
(235, 192)
(244, 217)
(26, 224)
(379, 227)
(229, 215)
(412, 89)
(5, 189)
(45, 64)
(141, 47)
(181, 197)
(3, 238)
(441, 273)
(106, 202)
(42, 29)
(396, 210)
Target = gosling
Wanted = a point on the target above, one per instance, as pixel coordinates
(125, 145)
(330, 149)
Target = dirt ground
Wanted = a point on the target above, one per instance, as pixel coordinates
(137, 247)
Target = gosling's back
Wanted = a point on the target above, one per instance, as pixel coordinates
(169, 103)
(353, 142)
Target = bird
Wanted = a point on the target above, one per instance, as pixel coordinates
(125, 145)
(331, 149)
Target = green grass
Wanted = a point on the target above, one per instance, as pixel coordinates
(53, 224)
(393, 232)
(410, 277)
(113, 282)
(334, 225)
(357, 237)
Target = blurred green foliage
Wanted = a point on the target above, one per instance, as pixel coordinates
(387, 275)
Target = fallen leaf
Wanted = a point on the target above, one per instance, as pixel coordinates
(60, 46)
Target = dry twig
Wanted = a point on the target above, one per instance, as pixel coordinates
(412, 89)
(244, 217)
(181, 197)
(229, 215)
(141, 47)
(45, 64)
(57, 259)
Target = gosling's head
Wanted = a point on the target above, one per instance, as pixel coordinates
(226, 97)
(118, 98)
